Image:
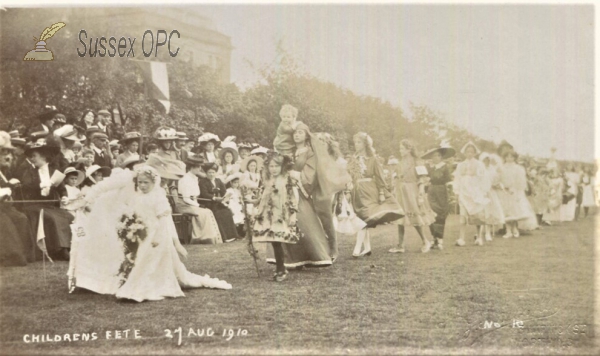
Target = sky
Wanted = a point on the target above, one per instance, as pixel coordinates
(523, 73)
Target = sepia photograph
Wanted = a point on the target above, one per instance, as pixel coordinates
(310, 178)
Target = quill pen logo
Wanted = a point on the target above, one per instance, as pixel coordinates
(40, 52)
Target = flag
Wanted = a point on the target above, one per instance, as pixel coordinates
(41, 237)
(157, 81)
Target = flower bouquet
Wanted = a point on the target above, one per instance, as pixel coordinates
(131, 231)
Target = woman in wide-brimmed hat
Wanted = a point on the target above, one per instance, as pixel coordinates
(95, 174)
(213, 189)
(208, 143)
(228, 155)
(66, 136)
(165, 137)
(131, 144)
(16, 238)
(181, 145)
(205, 228)
(244, 149)
(36, 184)
(437, 193)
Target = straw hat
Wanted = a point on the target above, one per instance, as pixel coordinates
(131, 136)
(260, 149)
(5, 141)
(232, 177)
(182, 136)
(94, 168)
(167, 168)
(133, 159)
(80, 174)
(104, 112)
(165, 134)
(67, 132)
(43, 145)
(246, 161)
(445, 151)
(207, 137)
(195, 159)
(228, 147)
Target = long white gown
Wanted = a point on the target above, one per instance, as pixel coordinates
(157, 272)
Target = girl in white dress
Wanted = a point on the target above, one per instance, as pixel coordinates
(514, 202)
(250, 181)
(345, 220)
(470, 184)
(494, 215)
(235, 202)
(153, 271)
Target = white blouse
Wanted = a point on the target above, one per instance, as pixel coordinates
(210, 156)
(188, 188)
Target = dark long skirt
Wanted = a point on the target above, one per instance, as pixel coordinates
(57, 229)
(438, 199)
(313, 249)
(224, 218)
(16, 239)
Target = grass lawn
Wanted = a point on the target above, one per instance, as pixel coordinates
(386, 304)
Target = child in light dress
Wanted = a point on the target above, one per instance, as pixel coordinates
(345, 220)
(74, 199)
(284, 141)
(235, 202)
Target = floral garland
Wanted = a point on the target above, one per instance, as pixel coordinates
(357, 168)
(288, 214)
(131, 231)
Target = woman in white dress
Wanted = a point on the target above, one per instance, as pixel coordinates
(150, 271)
(470, 184)
(516, 207)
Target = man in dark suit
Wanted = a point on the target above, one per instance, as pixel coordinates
(99, 145)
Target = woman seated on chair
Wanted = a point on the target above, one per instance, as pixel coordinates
(204, 226)
(213, 190)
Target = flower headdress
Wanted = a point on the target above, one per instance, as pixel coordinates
(148, 171)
